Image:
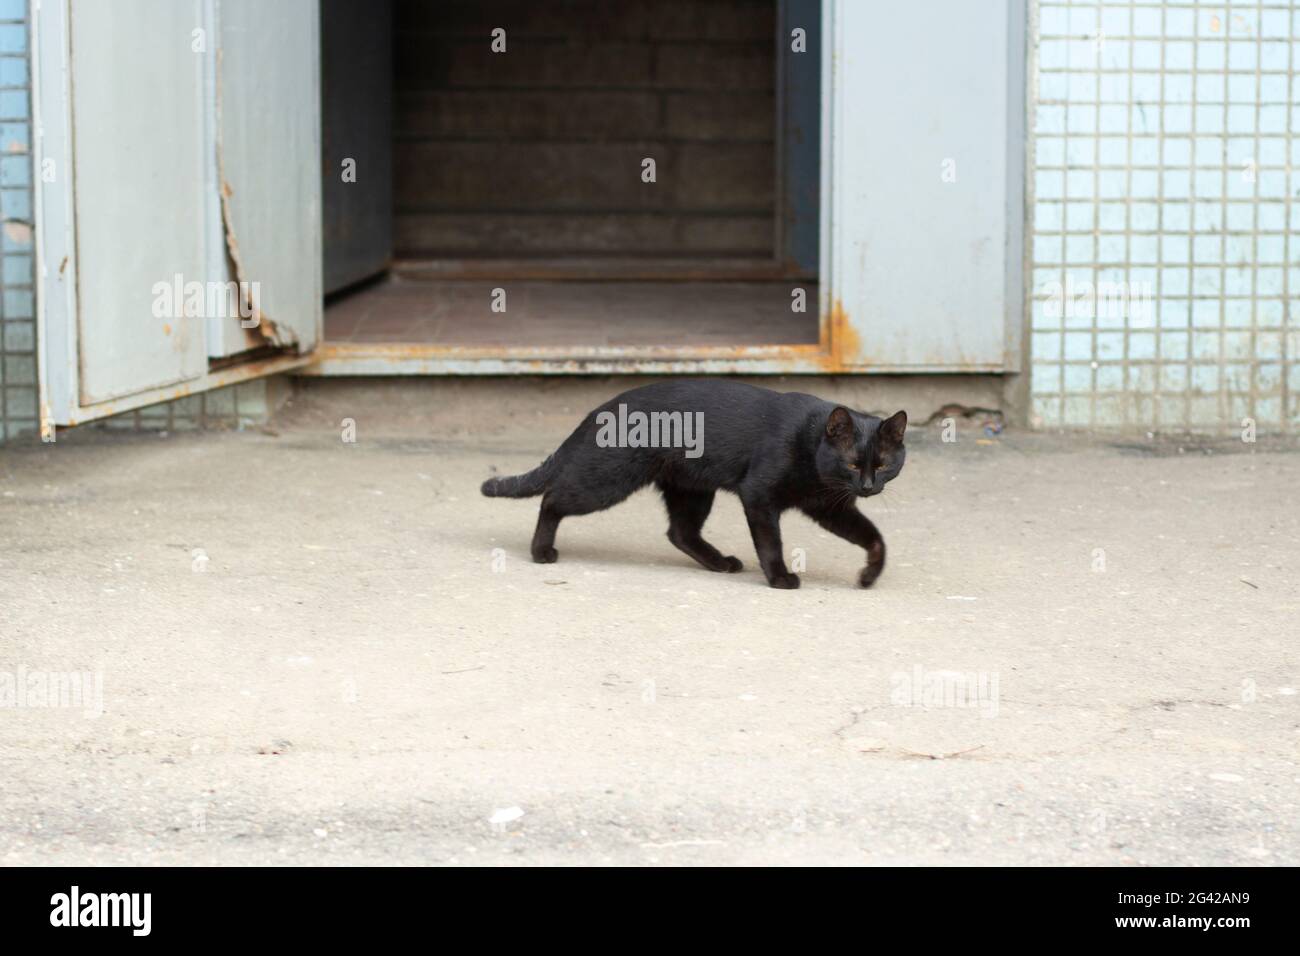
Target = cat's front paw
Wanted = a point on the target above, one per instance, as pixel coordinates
(731, 564)
(787, 581)
(546, 556)
(867, 576)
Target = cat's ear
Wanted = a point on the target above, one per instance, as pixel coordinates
(892, 428)
(839, 427)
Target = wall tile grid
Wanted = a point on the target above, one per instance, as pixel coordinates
(1163, 266)
(18, 413)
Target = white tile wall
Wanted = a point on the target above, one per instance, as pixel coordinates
(1163, 256)
(18, 412)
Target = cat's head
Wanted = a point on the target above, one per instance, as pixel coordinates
(861, 452)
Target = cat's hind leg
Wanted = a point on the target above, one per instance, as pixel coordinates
(548, 520)
(568, 499)
(687, 512)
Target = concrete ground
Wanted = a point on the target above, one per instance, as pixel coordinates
(1083, 651)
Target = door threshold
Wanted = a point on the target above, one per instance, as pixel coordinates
(667, 269)
(351, 358)
(373, 359)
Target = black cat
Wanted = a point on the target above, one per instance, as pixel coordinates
(691, 437)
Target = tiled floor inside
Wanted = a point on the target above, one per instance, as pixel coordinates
(559, 313)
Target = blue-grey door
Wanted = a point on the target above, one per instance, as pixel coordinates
(923, 183)
(178, 152)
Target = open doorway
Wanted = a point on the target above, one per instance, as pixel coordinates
(551, 175)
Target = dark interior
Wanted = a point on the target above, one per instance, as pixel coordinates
(527, 165)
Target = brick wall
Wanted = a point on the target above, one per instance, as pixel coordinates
(538, 150)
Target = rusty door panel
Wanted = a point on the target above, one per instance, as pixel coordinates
(268, 145)
(922, 196)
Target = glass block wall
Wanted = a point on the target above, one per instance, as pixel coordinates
(1164, 282)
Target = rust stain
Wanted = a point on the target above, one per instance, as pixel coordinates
(845, 348)
(219, 379)
(411, 358)
(543, 356)
(265, 326)
(333, 358)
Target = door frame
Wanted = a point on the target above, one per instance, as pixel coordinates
(55, 240)
(838, 350)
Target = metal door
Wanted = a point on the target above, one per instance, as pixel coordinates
(177, 198)
(922, 183)
(356, 139)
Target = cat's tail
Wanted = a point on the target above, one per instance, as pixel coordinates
(522, 486)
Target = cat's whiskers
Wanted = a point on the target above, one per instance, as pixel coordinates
(837, 494)
(896, 498)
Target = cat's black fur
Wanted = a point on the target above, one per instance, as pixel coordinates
(775, 450)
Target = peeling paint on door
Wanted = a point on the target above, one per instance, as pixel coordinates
(265, 327)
